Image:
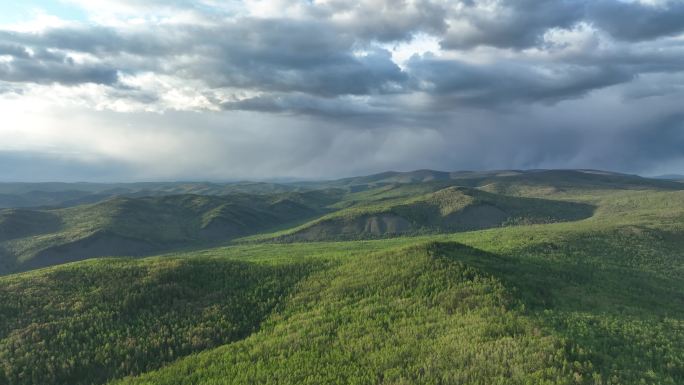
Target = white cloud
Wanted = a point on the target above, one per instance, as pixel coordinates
(40, 22)
(420, 44)
(209, 89)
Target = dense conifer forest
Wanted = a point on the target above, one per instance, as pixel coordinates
(530, 278)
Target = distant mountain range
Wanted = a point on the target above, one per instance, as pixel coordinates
(678, 177)
(426, 277)
(49, 223)
(55, 194)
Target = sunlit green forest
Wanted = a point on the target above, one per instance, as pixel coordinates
(573, 278)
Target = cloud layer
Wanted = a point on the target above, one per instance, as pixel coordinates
(325, 88)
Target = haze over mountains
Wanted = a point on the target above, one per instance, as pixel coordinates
(526, 277)
(77, 221)
(69, 194)
(678, 177)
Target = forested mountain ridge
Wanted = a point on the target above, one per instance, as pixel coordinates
(578, 283)
(97, 320)
(387, 204)
(52, 195)
(451, 209)
(140, 226)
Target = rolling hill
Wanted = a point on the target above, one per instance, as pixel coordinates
(451, 209)
(538, 277)
(388, 204)
(54, 195)
(140, 226)
(566, 303)
(136, 315)
(574, 179)
(449, 313)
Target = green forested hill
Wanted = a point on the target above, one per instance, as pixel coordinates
(54, 195)
(581, 286)
(97, 320)
(513, 180)
(391, 204)
(448, 313)
(27, 195)
(140, 226)
(451, 209)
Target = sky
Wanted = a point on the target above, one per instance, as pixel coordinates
(134, 90)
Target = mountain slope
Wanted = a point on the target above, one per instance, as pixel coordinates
(90, 322)
(385, 205)
(139, 226)
(447, 210)
(510, 182)
(27, 195)
(405, 316)
(451, 314)
(554, 182)
(502, 180)
(597, 301)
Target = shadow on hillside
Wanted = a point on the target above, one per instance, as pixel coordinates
(427, 217)
(20, 223)
(5, 262)
(111, 244)
(103, 244)
(624, 323)
(575, 285)
(146, 315)
(99, 244)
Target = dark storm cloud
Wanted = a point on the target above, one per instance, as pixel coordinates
(637, 58)
(14, 50)
(515, 24)
(522, 23)
(284, 56)
(387, 20)
(108, 41)
(321, 58)
(45, 63)
(36, 70)
(365, 113)
(317, 92)
(270, 55)
(452, 82)
(634, 21)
